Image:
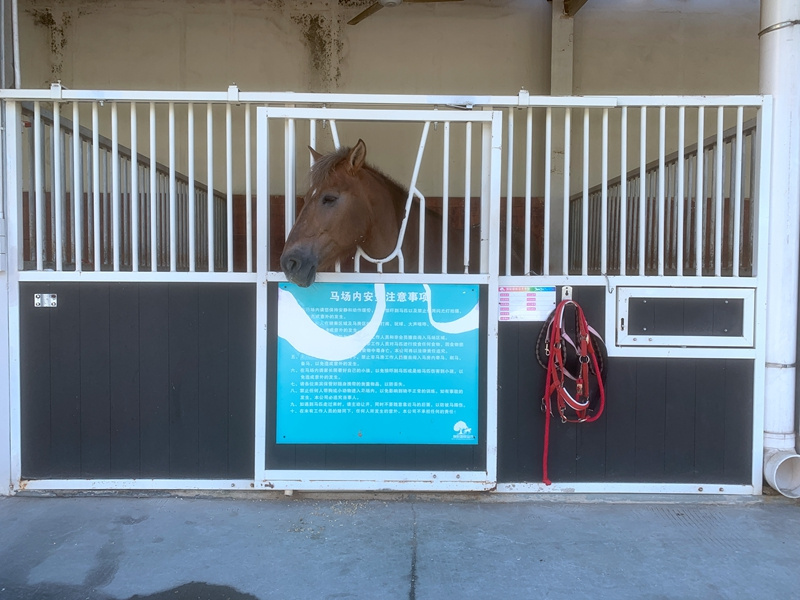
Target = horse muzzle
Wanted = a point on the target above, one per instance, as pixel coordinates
(299, 266)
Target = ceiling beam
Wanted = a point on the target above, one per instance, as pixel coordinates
(573, 6)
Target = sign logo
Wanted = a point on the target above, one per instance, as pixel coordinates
(462, 431)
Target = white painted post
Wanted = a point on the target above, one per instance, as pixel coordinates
(780, 77)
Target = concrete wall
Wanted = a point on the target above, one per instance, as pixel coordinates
(475, 46)
(469, 47)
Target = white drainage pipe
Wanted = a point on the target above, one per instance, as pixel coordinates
(782, 472)
(780, 78)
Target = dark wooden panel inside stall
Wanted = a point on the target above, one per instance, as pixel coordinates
(666, 420)
(135, 380)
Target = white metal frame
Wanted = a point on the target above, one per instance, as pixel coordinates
(9, 404)
(712, 343)
(491, 123)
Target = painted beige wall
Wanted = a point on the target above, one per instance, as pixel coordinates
(475, 46)
(470, 47)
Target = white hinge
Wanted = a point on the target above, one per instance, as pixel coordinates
(45, 300)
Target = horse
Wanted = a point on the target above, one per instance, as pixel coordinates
(352, 206)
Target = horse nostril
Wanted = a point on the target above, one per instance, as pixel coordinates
(291, 265)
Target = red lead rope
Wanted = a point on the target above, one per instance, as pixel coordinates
(555, 392)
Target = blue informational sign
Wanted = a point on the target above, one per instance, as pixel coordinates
(377, 364)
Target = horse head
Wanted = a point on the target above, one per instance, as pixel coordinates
(348, 205)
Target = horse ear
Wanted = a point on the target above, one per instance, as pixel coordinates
(315, 154)
(357, 156)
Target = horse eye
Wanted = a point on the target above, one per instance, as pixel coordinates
(329, 199)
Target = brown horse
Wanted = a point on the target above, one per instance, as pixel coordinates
(352, 205)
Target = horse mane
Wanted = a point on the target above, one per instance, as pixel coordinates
(326, 165)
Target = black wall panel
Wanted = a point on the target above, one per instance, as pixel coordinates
(134, 380)
(666, 420)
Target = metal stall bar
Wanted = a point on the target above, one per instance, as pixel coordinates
(719, 153)
(662, 176)
(115, 190)
(604, 196)
(77, 186)
(58, 189)
(445, 194)
(289, 171)
(585, 197)
(528, 187)
(565, 223)
(135, 234)
(96, 186)
(548, 145)
(248, 189)
(737, 191)
(623, 192)
(173, 208)
(192, 192)
(642, 231)
(509, 188)
(38, 184)
(467, 192)
(210, 194)
(681, 166)
(699, 193)
(229, 182)
(153, 215)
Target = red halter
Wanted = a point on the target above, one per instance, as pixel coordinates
(572, 407)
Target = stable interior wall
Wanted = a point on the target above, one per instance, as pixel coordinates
(472, 47)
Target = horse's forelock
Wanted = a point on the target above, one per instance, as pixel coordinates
(325, 166)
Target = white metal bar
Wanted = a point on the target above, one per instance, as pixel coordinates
(378, 99)
(77, 186)
(489, 232)
(115, 189)
(229, 182)
(509, 188)
(392, 115)
(192, 193)
(58, 191)
(662, 178)
(737, 191)
(135, 234)
(289, 174)
(173, 209)
(565, 224)
(548, 161)
(718, 195)
(699, 194)
(528, 188)
(335, 134)
(38, 184)
(248, 189)
(680, 190)
(312, 139)
(153, 216)
(585, 197)
(262, 265)
(467, 192)
(96, 186)
(445, 194)
(210, 176)
(642, 187)
(604, 196)
(623, 192)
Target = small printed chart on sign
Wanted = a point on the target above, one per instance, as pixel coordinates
(526, 302)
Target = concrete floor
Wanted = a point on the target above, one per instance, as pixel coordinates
(413, 548)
